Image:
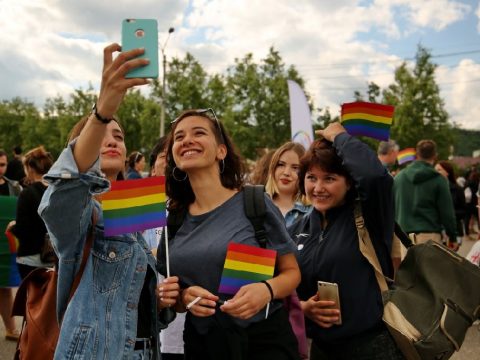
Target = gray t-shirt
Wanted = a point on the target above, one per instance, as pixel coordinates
(197, 253)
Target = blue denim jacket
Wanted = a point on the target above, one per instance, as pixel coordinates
(100, 321)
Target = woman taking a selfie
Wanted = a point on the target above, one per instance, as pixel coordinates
(204, 183)
(114, 312)
(334, 172)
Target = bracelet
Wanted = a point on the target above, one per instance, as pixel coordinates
(269, 287)
(98, 116)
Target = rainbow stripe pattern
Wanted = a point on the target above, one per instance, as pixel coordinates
(406, 155)
(134, 205)
(246, 264)
(367, 119)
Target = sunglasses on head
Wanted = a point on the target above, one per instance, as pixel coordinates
(138, 157)
(208, 113)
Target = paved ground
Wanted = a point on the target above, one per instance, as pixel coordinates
(470, 349)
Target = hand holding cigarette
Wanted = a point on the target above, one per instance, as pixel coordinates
(199, 301)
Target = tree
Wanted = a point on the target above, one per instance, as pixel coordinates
(259, 115)
(18, 124)
(419, 110)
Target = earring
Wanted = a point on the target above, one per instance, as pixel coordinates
(222, 167)
(177, 179)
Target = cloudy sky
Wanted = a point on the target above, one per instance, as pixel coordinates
(50, 47)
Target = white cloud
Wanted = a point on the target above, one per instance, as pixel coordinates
(436, 14)
(460, 87)
(55, 46)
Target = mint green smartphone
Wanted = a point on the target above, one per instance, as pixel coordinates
(142, 33)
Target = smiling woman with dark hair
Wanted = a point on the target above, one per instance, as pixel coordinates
(204, 182)
(335, 171)
(115, 312)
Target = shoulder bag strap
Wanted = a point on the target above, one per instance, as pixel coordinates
(86, 254)
(255, 211)
(366, 247)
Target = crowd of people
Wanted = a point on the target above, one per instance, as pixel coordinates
(134, 282)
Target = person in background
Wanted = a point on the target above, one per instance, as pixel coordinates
(157, 158)
(116, 312)
(337, 172)
(171, 338)
(473, 179)
(7, 188)
(387, 153)
(423, 204)
(205, 184)
(136, 164)
(282, 181)
(282, 186)
(445, 168)
(260, 171)
(15, 169)
(28, 227)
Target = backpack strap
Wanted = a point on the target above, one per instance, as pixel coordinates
(255, 211)
(367, 249)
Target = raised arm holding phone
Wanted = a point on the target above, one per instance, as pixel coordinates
(115, 312)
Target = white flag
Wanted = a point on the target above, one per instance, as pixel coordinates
(300, 119)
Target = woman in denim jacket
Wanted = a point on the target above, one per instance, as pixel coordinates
(114, 313)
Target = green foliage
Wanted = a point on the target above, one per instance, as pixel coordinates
(419, 110)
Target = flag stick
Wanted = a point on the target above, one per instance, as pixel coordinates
(167, 256)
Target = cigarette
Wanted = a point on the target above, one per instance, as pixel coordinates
(197, 299)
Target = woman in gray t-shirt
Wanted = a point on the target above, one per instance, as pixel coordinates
(204, 181)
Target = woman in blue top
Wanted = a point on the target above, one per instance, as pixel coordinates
(204, 182)
(136, 164)
(334, 172)
(114, 313)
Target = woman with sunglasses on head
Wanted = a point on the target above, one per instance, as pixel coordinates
(204, 183)
(114, 313)
(136, 164)
(336, 173)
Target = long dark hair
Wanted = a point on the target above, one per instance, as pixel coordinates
(180, 193)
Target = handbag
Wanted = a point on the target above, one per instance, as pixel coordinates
(36, 301)
(435, 297)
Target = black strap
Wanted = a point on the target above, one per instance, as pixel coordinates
(402, 236)
(255, 211)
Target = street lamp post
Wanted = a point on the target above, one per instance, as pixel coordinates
(162, 114)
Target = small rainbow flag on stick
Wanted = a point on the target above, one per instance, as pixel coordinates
(367, 119)
(246, 264)
(134, 205)
(406, 155)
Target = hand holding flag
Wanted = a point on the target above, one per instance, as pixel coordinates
(367, 119)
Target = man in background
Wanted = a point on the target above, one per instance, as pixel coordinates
(423, 204)
(15, 166)
(387, 153)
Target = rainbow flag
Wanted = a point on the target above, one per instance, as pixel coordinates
(12, 242)
(246, 264)
(134, 205)
(406, 155)
(367, 119)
